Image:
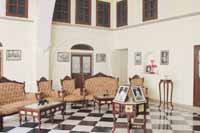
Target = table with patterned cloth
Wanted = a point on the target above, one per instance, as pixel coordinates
(128, 109)
(39, 111)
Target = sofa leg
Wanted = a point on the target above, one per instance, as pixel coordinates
(1, 123)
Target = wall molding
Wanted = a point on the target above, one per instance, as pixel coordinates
(16, 19)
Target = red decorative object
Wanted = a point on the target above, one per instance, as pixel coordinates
(151, 68)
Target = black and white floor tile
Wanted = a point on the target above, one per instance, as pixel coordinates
(85, 120)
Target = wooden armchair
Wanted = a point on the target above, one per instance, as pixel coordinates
(69, 93)
(45, 90)
(136, 80)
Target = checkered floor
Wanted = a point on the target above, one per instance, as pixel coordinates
(84, 120)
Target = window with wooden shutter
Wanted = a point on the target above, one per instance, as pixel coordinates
(62, 11)
(122, 13)
(83, 12)
(150, 9)
(103, 13)
(17, 8)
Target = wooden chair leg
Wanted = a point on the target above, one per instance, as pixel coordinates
(1, 123)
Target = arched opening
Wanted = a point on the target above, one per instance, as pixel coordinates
(81, 63)
(82, 47)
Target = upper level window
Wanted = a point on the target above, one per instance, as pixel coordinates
(18, 8)
(83, 12)
(150, 9)
(103, 13)
(122, 13)
(62, 11)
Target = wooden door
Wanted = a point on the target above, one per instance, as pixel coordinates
(197, 75)
(81, 68)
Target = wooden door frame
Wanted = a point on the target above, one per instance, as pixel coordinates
(84, 54)
(194, 74)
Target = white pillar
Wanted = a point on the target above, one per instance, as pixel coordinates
(43, 24)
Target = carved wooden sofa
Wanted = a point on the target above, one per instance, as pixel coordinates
(46, 91)
(100, 84)
(13, 97)
(70, 94)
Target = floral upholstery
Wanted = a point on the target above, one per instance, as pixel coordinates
(71, 94)
(69, 86)
(45, 90)
(11, 92)
(12, 98)
(99, 85)
(13, 107)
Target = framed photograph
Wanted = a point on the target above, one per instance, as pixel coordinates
(13, 55)
(164, 57)
(121, 93)
(138, 58)
(100, 57)
(63, 56)
(138, 94)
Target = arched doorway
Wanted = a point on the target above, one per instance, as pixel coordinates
(81, 63)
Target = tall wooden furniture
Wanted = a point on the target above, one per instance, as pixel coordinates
(166, 85)
(70, 94)
(100, 84)
(12, 97)
(136, 80)
(37, 111)
(129, 109)
(45, 90)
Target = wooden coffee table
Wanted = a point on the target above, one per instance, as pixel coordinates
(103, 99)
(38, 111)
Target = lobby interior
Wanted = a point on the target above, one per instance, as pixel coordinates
(100, 45)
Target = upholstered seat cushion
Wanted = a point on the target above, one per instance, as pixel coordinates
(53, 99)
(89, 97)
(13, 107)
(73, 98)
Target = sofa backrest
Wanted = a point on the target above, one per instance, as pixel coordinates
(45, 87)
(68, 84)
(101, 84)
(136, 80)
(11, 91)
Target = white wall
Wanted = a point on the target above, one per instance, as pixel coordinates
(178, 36)
(18, 36)
(119, 62)
(166, 9)
(65, 36)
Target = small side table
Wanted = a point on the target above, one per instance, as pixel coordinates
(166, 85)
(103, 99)
(128, 109)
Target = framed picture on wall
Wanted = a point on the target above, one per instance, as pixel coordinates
(164, 57)
(63, 56)
(100, 57)
(138, 58)
(13, 55)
